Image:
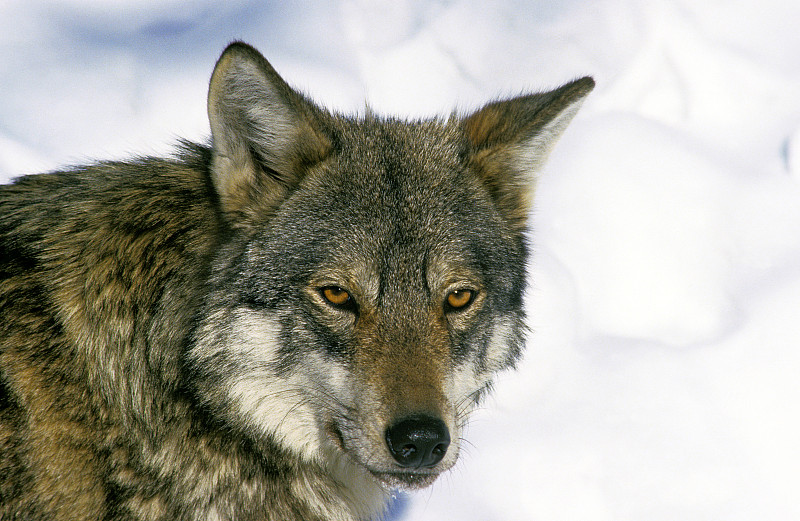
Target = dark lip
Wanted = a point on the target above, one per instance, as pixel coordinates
(409, 480)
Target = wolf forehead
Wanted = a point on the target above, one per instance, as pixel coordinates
(391, 191)
(411, 177)
(395, 168)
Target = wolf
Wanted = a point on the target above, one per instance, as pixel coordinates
(287, 323)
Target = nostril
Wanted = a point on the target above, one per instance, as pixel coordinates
(418, 441)
(408, 451)
(440, 450)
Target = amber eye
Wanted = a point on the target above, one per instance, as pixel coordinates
(460, 298)
(337, 296)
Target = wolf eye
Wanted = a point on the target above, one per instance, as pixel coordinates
(337, 297)
(459, 299)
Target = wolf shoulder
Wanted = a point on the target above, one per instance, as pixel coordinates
(146, 204)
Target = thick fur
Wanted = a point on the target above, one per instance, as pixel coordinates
(167, 349)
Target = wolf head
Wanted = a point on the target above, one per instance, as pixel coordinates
(372, 281)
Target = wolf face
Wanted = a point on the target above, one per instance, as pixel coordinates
(371, 280)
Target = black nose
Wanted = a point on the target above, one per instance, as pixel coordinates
(418, 441)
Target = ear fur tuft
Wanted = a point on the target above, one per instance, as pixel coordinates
(511, 139)
(265, 134)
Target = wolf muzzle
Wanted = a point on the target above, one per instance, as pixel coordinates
(418, 441)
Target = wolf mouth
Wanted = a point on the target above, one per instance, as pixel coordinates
(407, 480)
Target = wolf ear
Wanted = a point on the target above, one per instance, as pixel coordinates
(510, 141)
(265, 134)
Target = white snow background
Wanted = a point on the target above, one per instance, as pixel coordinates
(661, 377)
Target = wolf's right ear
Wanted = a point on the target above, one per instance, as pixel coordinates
(265, 134)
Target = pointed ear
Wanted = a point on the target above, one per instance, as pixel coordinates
(265, 135)
(510, 141)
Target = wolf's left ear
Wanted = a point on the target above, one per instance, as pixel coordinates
(511, 139)
(266, 135)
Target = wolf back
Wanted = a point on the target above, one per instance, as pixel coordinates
(286, 324)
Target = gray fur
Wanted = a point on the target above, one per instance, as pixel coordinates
(167, 349)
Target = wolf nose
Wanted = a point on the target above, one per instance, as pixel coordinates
(418, 441)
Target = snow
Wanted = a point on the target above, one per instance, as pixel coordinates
(660, 380)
